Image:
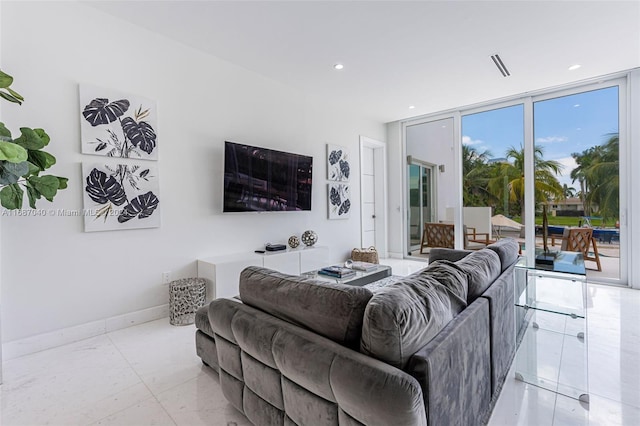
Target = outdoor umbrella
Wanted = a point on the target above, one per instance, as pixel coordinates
(500, 221)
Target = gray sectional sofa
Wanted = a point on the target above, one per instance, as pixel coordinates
(433, 348)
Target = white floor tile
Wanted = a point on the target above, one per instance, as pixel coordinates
(150, 375)
(58, 386)
(146, 413)
(200, 402)
(162, 355)
(521, 404)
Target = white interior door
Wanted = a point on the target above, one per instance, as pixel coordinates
(372, 194)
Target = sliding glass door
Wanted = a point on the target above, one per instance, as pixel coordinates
(421, 200)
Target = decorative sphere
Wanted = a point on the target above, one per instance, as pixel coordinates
(309, 238)
(294, 241)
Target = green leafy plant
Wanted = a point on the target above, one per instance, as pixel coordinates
(22, 160)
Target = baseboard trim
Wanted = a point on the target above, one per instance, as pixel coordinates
(393, 255)
(40, 342)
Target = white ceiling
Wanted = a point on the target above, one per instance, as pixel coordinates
(431, 54)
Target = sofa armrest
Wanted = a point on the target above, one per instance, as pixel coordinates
(454, 369)
(452, 255)
(273, 370)
(502, 319)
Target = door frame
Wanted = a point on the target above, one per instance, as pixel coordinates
(380, 179)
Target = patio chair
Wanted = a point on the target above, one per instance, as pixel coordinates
(437, 235)
(443, 235)
(579, 240)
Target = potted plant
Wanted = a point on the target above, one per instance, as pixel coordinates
(22, 160)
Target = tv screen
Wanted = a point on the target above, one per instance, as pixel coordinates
(259, 179)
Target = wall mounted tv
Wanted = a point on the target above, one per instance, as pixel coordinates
(259, 179)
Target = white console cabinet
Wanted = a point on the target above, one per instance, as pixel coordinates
(223, 272)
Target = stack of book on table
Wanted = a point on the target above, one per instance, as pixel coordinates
(363, 266)
(337, 272)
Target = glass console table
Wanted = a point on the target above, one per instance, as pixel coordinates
(551, 325)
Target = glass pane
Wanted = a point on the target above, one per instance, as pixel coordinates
(577, 177)
(492, 175)
(431, 179)
(415, 229)
(426, 194)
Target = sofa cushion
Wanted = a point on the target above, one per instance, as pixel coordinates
(507, 249)
(482, 268)
(403, 317)
(330, 309)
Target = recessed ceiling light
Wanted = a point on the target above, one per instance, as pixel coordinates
(412, 106)
(574, 67)
(576, 105)
(338, 66)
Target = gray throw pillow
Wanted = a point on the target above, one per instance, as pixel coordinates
(332, 310)
(405, 316)
(482, 268)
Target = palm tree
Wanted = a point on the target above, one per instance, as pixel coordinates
(545, 171)
(568, 191)
(475, 175)
(598, 175)
(603, 174)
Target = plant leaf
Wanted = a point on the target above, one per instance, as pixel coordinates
(41, 159)
(15, 94)
(100, 111)
(5, 80)
(45, 185)
(31, 139)
(140, 134)
(142, 206)
(12, 152)
(10, 98)
(102, 189)
(4, 132)
(11, 197)
(11, 172)
(33, 195)
(33, 169)
(62, 182)
(101, 146)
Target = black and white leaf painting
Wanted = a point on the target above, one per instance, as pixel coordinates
(120, 196)
(339, 200)
(338, 165)
(116, 124)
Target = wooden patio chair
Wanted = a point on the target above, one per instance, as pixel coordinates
(437, 235)
(579, 240)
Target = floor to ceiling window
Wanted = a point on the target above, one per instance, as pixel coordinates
(492, 143)
(568, 141)
(577, 180)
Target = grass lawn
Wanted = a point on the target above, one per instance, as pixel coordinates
(569, 221)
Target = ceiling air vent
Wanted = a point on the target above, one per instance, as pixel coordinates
(500, 65)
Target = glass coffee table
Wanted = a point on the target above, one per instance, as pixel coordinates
(551, 325)
(359, 279)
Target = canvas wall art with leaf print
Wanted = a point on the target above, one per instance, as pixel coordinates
(115, 124)
(338, 166)
(120, 196)
(339, 200)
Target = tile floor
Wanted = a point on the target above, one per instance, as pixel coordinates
(149, 375)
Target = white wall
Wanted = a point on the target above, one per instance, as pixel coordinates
(395, 190)
(56, 276)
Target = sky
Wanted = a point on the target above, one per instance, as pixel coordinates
(562, 126)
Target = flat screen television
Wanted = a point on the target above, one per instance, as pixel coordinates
(259, 179)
